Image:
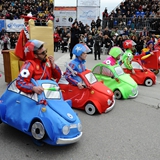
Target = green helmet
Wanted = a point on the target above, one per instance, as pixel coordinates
(115, 51)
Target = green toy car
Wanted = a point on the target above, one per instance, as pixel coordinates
(120, 83)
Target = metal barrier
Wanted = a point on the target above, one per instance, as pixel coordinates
(129, 22)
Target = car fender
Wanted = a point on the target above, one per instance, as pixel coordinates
(122, 90)
(47, 125)
(97, 105)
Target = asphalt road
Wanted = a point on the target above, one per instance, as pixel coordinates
(129, 132)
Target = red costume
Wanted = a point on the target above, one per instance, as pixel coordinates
(36, 69)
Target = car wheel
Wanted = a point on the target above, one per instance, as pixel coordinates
(148, 82)
(90, 109)
(37, 130)
(117, 94)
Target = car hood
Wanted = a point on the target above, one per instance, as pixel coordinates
(100, 87)
(63, 109)
(126, 78)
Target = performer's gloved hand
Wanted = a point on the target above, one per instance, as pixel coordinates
(80, 86)
(51, 58)
(133, 71)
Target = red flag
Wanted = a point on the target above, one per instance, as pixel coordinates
(19, 50)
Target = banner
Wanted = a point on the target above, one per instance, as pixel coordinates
(87, 14)
(15, 25)
(2, 24)
(89, 3)
(64, 16)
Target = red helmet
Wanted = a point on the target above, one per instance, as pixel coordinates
(31, 47)
(128, 44)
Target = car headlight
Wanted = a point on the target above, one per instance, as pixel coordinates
(109, 102)
(79, 127)
(134, 90)
(65, 130)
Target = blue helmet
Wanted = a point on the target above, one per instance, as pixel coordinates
(80, 48)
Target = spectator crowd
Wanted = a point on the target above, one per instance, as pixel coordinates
(100, 35)
(100, 40)
(12, 9)
(134, 14)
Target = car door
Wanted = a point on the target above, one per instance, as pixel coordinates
(19, 107)
(78, 96)
(139, 72)
(104, 74)
(107, 77)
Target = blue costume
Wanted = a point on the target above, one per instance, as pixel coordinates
(77, 65)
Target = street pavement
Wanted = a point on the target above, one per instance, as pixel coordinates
(129, 132)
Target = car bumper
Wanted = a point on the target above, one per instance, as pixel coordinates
(70, 140)
(111, 107)
(134, 95)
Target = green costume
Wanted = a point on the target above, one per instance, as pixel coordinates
(127, 59)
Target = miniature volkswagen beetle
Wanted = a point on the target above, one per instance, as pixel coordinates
(45, 117)
(114, 77)
(95, 97)
(143, 75)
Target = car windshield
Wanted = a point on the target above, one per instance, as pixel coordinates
(136, 65)
(119, 71)
(51, 91)
(91, 78)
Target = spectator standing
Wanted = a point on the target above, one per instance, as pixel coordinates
(6, 44)
(97, 45)
(111, 22)
(93, 24)
(107, 43)
(93, 32)
(81, 27)
(140, 44)
(98, 22)
(107, 31)
(57, 40)
(105, 18)
(65, 38)
(13, 41)
(90, 43)
(75, 35)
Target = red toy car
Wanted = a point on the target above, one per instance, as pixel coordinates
(94, 97)
(142, 76)
(152, 62)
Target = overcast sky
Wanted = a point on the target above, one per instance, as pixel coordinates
(110, 4)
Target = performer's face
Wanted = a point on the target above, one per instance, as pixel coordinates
(83, 56)
(42, 54)
(150, 46)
